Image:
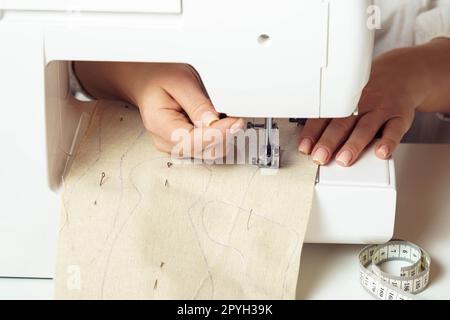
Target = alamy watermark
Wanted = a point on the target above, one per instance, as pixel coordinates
(73, 279)
(216, 146)
(374, 17)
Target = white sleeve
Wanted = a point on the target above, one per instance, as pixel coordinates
(433, 24)
(75, 87)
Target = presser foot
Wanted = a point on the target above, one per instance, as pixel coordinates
(270, 158)
(269, 152)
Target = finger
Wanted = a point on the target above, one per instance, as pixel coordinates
(334, 135)
(311, 133)
(210, 152)
(215, 139)
(183, 140)
(363, 133)
(161, 144)
(214, 153)
(187, 90)
(161, 115)
(188, 141)
(393, 133)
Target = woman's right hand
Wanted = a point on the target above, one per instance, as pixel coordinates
(171, 101)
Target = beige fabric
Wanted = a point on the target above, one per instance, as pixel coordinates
(152, 231)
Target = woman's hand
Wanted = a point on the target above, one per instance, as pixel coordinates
(401, 81)
(170, 98)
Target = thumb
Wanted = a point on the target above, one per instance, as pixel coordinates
(203, 114)
(200, 110)
(188, 91)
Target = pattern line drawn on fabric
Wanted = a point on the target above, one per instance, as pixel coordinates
(159, 230)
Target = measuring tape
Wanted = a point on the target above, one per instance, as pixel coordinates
(412, 280)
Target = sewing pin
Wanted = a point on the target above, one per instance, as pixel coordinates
(103, 177)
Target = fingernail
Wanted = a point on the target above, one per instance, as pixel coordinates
(237, 126)
(383, 151)
(208, 118)
(320, 156)
(344, 158)
(305, 146)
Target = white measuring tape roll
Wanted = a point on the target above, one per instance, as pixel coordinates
(413, 278)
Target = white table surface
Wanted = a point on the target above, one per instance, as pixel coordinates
(423, 217)
(331, 271)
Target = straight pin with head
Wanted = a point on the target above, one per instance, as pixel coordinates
(102, 179)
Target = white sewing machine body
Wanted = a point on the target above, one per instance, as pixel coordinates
(258, 58)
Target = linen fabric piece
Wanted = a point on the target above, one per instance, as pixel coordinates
(134, 225)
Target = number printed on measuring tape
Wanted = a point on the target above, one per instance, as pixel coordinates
(412, 280)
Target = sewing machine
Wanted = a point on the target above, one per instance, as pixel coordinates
(257, 58)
